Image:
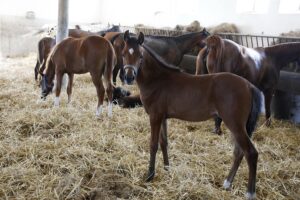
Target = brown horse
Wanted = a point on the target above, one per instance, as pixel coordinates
(44, 47)
(260, 66)
(166, 92)
(47, 43)
(171, 49)
(92, 54)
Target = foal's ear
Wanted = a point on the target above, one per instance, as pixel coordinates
(126, 35)
(141, 38)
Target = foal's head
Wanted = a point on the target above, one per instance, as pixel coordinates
(47, 78)
(132, 56)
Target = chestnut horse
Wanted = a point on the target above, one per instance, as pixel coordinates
(260, 66)
(47, 43)
(92, 54)
(171, 49)
(166, 92)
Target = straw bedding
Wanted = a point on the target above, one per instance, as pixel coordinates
(67, 153)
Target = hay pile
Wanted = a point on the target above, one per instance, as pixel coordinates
(66, 153)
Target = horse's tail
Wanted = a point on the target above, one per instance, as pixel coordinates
(255, 110)
(110, 63)
(218, 47)
(201, 67)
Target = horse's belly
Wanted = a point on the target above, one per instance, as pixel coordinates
(193, 113)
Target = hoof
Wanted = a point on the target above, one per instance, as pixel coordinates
(250, 196)
(218, 131)
(226, 185)
(167, 167)
(268, 122)
(150, 176)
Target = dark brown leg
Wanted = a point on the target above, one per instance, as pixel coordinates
(69, 88)
(36, 70)
(238, 157)
(155, 122)
(218, 122)
(268, 98)
(163, 140)
(115, 73)
(251, 155)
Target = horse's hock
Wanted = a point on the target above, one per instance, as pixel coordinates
(286, 101)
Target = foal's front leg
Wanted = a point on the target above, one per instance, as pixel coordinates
(163, 140)
(155, 122)
(59, 77)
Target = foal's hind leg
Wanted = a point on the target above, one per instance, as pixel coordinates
(238, 156)
(100, 93)
(251, 155)
(69, 88)
(163, 140)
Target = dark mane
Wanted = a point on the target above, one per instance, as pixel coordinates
(160, 60)
(187, 35)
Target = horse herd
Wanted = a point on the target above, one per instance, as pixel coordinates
(167, 92)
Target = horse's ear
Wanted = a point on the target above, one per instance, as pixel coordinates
(126, 35)
(141, 38)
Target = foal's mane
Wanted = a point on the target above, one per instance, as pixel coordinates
(160, 60)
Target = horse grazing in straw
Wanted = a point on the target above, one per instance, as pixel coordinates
(44, 48)
(166, 92)
(260, 66)
(91, 54)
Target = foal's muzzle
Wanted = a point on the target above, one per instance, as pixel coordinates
(130, 72)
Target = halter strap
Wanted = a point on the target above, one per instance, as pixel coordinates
(133, 66)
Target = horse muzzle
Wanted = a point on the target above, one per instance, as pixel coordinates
(130, 72)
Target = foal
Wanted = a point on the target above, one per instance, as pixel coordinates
(166, 92)
(92, 54)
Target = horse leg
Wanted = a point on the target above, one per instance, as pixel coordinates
(109, 92)
(218, 122)
(155, 123)
(69, 88)
(100, 93)
(115, 74)
(268, 97)
(36, 70)
(238, 156)
(251, 155)
(121, 75)
(59, 77)
(163, 140)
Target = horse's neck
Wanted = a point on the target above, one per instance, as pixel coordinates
(150, 71)
(186, 42)
(283, 54)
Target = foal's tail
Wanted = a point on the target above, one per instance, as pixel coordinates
(255, 110)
